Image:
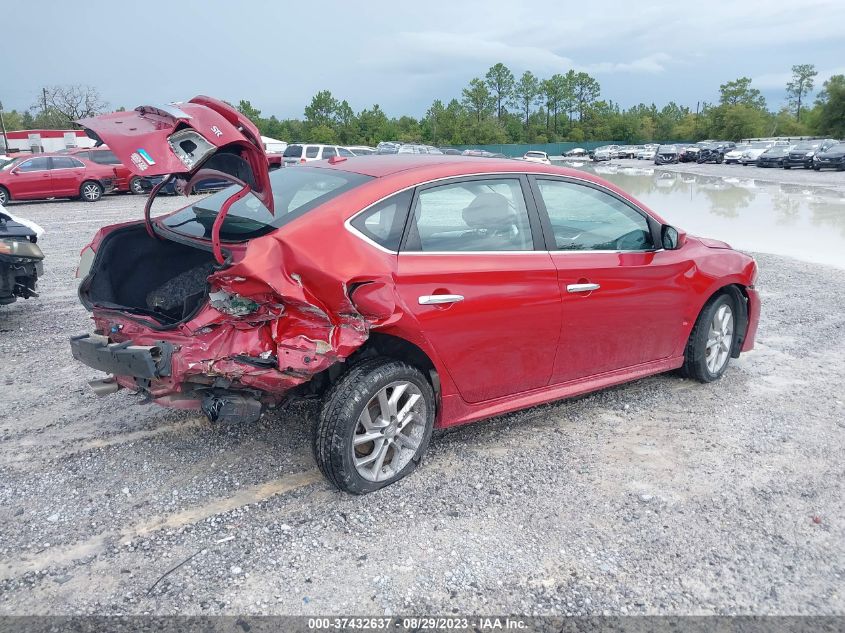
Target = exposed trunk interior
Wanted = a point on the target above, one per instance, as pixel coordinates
(156, 277)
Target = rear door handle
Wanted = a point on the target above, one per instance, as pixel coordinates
(582, 287)
(430, 300)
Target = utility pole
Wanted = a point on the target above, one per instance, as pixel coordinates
(3, 127)
(44, 96)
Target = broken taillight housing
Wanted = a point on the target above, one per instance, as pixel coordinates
(190, 147)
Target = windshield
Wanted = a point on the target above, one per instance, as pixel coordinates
(295, 192)
(805, 147)
(6, 165)
(760, 145)
(535, 154)
(667, 148)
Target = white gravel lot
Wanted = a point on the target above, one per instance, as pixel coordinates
(663, 496)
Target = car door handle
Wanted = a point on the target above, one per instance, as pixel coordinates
(582, 287)
(431, 300)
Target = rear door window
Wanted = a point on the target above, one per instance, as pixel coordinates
(312, 151)
(104, 157)
(474, 215)
(66, 162)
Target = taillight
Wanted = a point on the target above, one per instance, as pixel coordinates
(302, 161)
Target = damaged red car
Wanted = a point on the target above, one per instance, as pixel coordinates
(407, 292)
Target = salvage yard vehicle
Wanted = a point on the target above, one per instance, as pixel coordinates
(605, 153)
(301, 153)
(44, 176)
(801, 155)
(773, 157)
(667, 155)
(406, 292)
(734, 156)
(20, 258)
(714, 152)
(537, 157)
(831, 158)
(123, 181)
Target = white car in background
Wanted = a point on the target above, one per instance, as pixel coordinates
(537, 157)
(298, 153)
(735, 155)
(756, 149)
(648, 152)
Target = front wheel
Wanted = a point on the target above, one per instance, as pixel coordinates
(374, 426)
(91, 191)
(711, 340)
(4, 196)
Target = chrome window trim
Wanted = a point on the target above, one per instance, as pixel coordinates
(348, 222)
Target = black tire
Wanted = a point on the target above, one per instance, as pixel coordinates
(342, 406)
(815, 168)
(90, 191)
(695, 356)
(4, 195)
(135, 186)
(787, 167)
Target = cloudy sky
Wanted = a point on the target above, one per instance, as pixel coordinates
(402, 55)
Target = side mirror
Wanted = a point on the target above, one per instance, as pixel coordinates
(671, 238)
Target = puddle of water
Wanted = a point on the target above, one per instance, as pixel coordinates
(799, 221)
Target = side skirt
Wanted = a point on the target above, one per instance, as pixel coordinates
(454, 410)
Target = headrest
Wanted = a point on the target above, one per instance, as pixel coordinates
(489, 211)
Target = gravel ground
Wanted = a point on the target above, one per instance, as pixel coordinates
(828, 178)
(661, 496)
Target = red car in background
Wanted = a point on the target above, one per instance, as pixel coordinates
(125, 180)
(407, 292)
(41, 176)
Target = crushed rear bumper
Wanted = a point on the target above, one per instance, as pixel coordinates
(147, 362)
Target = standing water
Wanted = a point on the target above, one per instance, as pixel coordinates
(799, 221)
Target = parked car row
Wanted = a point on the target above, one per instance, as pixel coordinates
(814, 154)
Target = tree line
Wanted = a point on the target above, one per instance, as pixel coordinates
(501, 108)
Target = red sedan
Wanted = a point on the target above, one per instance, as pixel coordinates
(124, 179)
(407, 292)
(54, 176)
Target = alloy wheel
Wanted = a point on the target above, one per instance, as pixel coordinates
(2, 197)
(389, 431)
(719, 339)
(91, 191)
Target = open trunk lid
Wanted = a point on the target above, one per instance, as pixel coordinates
(183, 138)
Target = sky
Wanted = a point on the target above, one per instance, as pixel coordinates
(403, 55)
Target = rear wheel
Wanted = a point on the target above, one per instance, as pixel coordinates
(711, 340)
(374, 426)
(4, 195)
(91, 191)
(135, 186)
